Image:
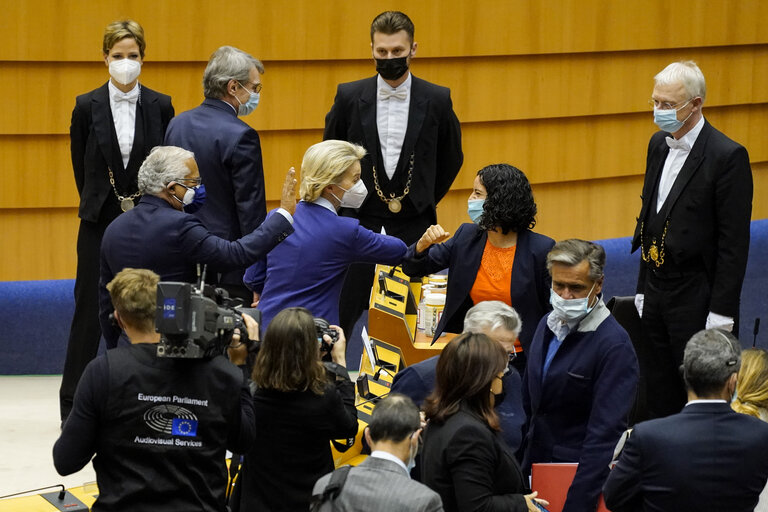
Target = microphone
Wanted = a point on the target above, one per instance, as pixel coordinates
(755, 331)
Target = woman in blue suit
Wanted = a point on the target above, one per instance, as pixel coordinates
(308, 269)
(497, 257)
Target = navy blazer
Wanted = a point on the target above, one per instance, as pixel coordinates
(308, 269)
(462, 254)
(710, 208)
(578, 412)
(94, 146)
(156, 236)
(228, 153)
(706, 458)
(433, 135)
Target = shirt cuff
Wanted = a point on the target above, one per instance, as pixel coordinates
(285, 213)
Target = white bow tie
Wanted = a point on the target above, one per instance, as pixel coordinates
(130, 96)
(386, 93)
(678, 144)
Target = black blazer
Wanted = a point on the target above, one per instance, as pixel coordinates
(94, 146)
(706, 458)
(433, 135)
(710, 211)
(470, 467)
(462, 254)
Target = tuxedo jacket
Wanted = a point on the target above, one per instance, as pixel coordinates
(433, 135)
(462, 254)
(228, 153)
(705, 458)
(380, 485)
(709, 212)
(94, 146)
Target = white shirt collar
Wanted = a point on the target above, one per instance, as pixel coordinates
(114, 92)
(690, 137)
(321, 201)
(706, 401)
(379, 454)
(405, 86)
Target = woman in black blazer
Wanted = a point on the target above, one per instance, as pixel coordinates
(480, 255)
(301, 404)
(113, 129)
(464, 458)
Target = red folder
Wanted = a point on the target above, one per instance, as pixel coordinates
(552, 481)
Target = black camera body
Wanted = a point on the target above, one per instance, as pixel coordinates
(192, 325)
(323, 327)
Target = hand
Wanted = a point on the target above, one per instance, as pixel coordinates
(639, 300)
(339, 350)
(434, 234)
(288, 196)
(256, 299)
(530, 499)
(238, 351)
(715, 321)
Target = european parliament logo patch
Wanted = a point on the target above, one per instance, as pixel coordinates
(184, 427)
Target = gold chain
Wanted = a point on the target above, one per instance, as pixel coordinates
(119, 197)
(654, 254)
(392, 196)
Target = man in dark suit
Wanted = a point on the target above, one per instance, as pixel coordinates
(381, 482)
(705, 458)
(413, 139)
(113, 129)
(581, 376)
(228, 152)
(693, 231)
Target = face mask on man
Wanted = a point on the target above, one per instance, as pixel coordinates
(124, 71)
(249, 106)
(392, 69)
(475, 209)
(570, 310)
(354, 197)
(194, 198)
(667, 120)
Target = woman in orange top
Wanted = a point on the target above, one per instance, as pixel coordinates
(497, 257)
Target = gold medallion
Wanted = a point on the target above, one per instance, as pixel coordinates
(394, 205)
(653, 252)
(126, 204)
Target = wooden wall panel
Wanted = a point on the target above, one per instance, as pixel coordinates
(184, 30)
(298, 95)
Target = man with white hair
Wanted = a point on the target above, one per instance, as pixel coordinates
(707, 457)
(227, 150)
(161, 235)
(692, 231)
(502, 324)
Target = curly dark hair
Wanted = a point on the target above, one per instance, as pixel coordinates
(509, 204)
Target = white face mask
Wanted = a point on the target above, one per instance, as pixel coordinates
(412, 457)
(570, 310)
(124, 71)
(354, 197)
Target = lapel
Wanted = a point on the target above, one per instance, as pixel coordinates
(367, 106)
(104, 127)
(691, 165)
(417, 110)
(652, 180)
(522, 272)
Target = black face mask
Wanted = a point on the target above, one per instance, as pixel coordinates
(392, 69)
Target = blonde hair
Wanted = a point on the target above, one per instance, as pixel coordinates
(134, 294)
(119, 30)
(324, 164)
(752, 383)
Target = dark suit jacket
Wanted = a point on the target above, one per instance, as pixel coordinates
(94, 145)
(711, 208)
(469, 466)
(706, 458)
(228, 153)
(462, 254)
(433, 135)
(579, 410)
(169, 242)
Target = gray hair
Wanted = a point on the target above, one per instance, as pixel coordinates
(394, 418)
(490, 315)
(573, 251)
(686, 73)
(163, 165)
(711, 356)
(227, 63)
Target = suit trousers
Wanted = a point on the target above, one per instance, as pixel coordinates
(675, 308)
(85, 331)
(356, 292)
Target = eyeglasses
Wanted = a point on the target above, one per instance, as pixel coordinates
(196, 181)
(665, 105)
(254, 87)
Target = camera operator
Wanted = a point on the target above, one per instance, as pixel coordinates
(159, 427)
(301, 404)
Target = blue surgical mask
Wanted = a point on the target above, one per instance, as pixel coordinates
(475, 209)
(570, 310)
(667, 120)
(249, 106)
(194, 198)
